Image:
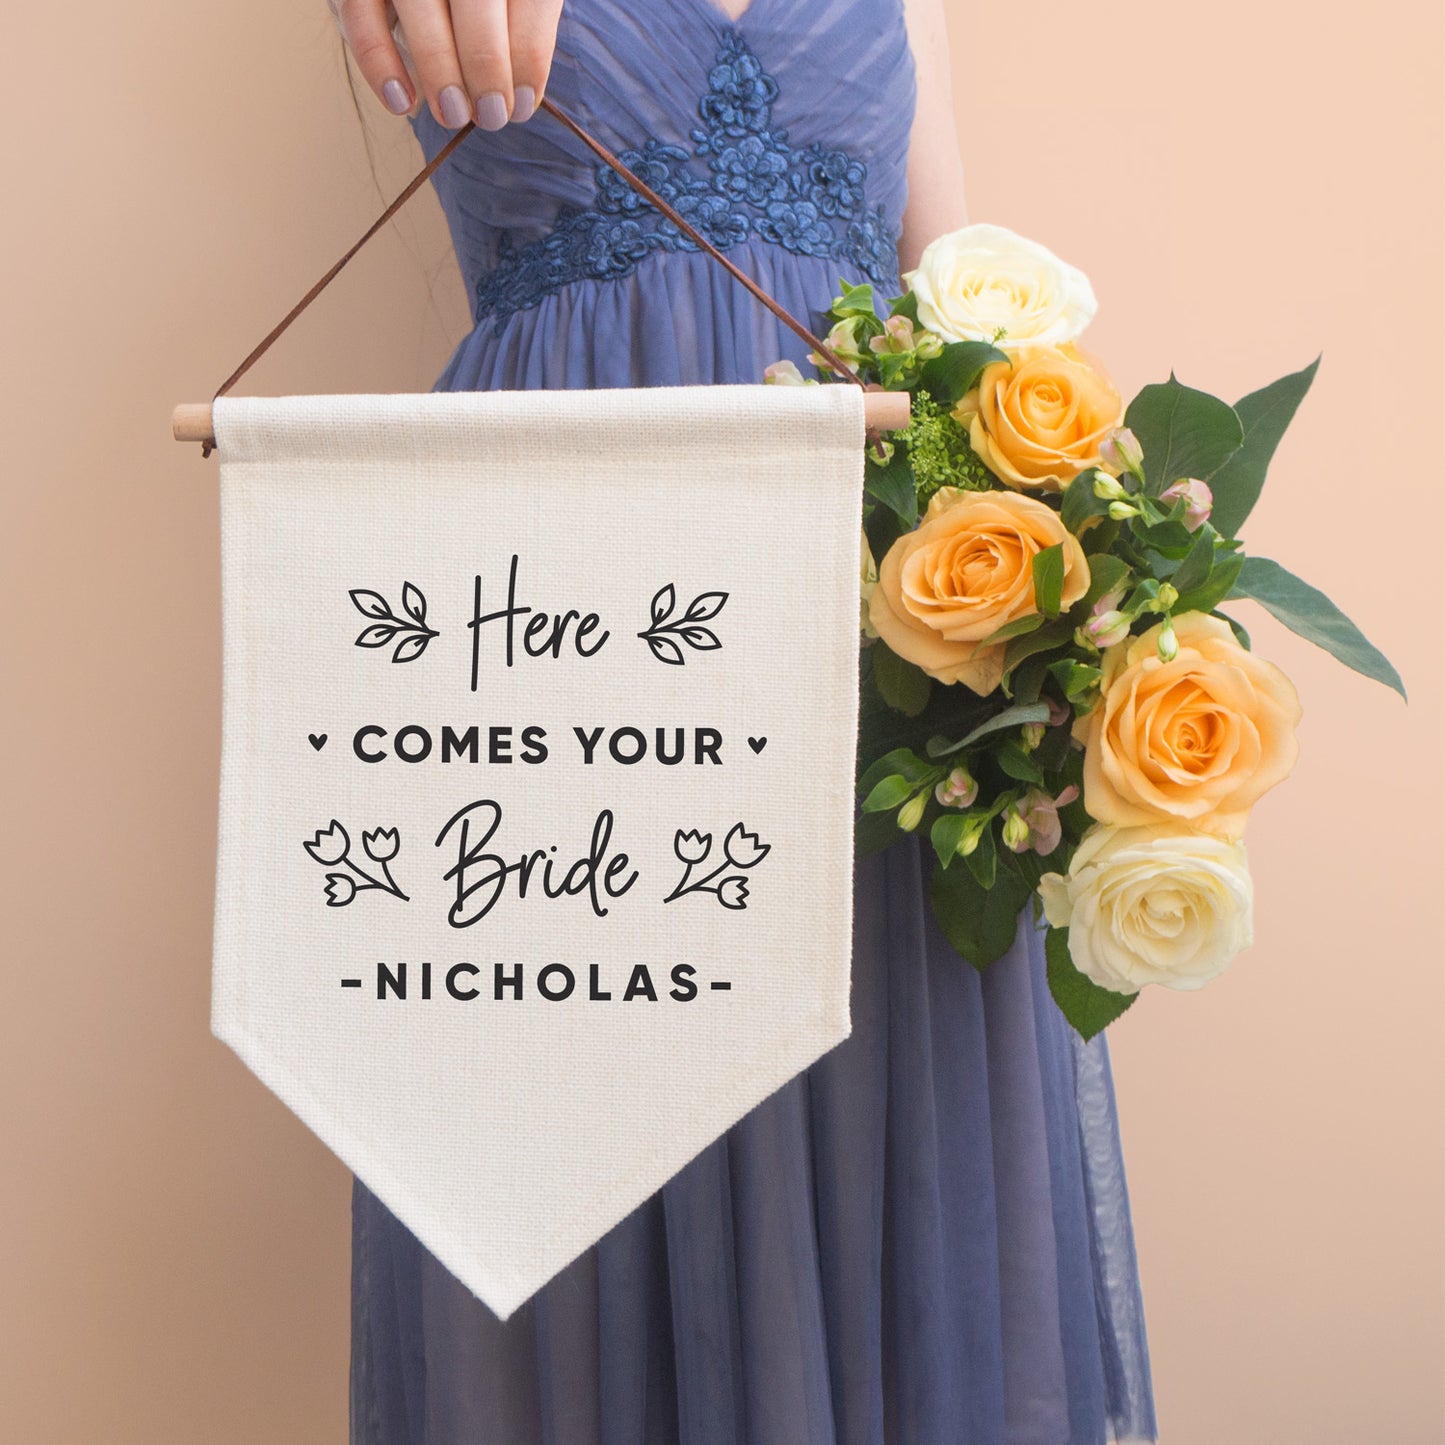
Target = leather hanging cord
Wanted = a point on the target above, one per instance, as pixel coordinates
(609, 159)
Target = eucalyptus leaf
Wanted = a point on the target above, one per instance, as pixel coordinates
(1010, 717)
(1089, 1008)
(1306, 610)
(1184, 432)
(1265, 414)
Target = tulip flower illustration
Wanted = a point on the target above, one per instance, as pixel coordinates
(331, 847)
(741, 850)
(691, 847)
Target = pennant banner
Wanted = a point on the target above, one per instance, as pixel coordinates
(535, 855)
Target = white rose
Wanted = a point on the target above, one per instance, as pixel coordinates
(971, 283)
(867, 581)
(1153, 904)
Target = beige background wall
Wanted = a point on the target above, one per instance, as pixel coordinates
(1247, 183)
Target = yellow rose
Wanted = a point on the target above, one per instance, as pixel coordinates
(1159, 904)
(1199, 738)
(1040, 419)
(965, 572)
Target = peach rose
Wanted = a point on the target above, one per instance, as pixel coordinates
(1040, 419)
(1200, 738)
(965, 572)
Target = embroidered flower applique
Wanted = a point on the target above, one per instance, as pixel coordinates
(741, 179)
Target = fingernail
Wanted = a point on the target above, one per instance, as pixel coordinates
(524, 103)
(394, 95)
(453, 105)
(491, 110)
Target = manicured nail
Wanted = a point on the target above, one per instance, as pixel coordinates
(394, 95)
(491, 110)
(524, 103)
(453, 105)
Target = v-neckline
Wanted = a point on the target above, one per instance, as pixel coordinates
(720, 16)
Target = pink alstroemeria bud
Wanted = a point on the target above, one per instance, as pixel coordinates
(897, 336)
(1040, 814)
(1059, 712)
(1120, 452)
(958, 790)
(1107, 628)
(1198, 501)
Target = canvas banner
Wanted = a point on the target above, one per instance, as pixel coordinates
(540, 712)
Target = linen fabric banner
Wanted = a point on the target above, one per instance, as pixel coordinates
(535, 853)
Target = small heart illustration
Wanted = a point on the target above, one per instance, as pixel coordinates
(317, 740)
(757, 744)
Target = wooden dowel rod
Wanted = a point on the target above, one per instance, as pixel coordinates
(882, 411)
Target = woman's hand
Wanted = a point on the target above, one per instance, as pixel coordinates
(482, 60)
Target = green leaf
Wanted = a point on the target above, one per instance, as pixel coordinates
(894, 486)
(1265, 414)
(874, 832)
(1089, 1008)
(1019, 627)
(1010, 717)
(983, 861)
(1018, 764)
(980, 923)
(902, 686)
(1241, 636)
(1193, 572)
(905, 305)
(1041, 639)
(888, 794)
(1080, 503)
(945, 835)
(903, 761)
(1184, 432)
(853, 301)
(1026, 682)
(1168, 535)
(1074, 677)
(1307, 611)
(1106, 572)
(1048, 571)
(1208, 596)
(957, 368)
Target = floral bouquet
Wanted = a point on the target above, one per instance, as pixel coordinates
(1052, 689)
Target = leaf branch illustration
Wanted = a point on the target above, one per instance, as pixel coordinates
(331, 848)
(666, 633)
(741, 850)
(411, 627)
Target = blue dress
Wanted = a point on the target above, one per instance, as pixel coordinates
(924, 1239)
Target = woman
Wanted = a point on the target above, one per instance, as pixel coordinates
(925, 1237)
